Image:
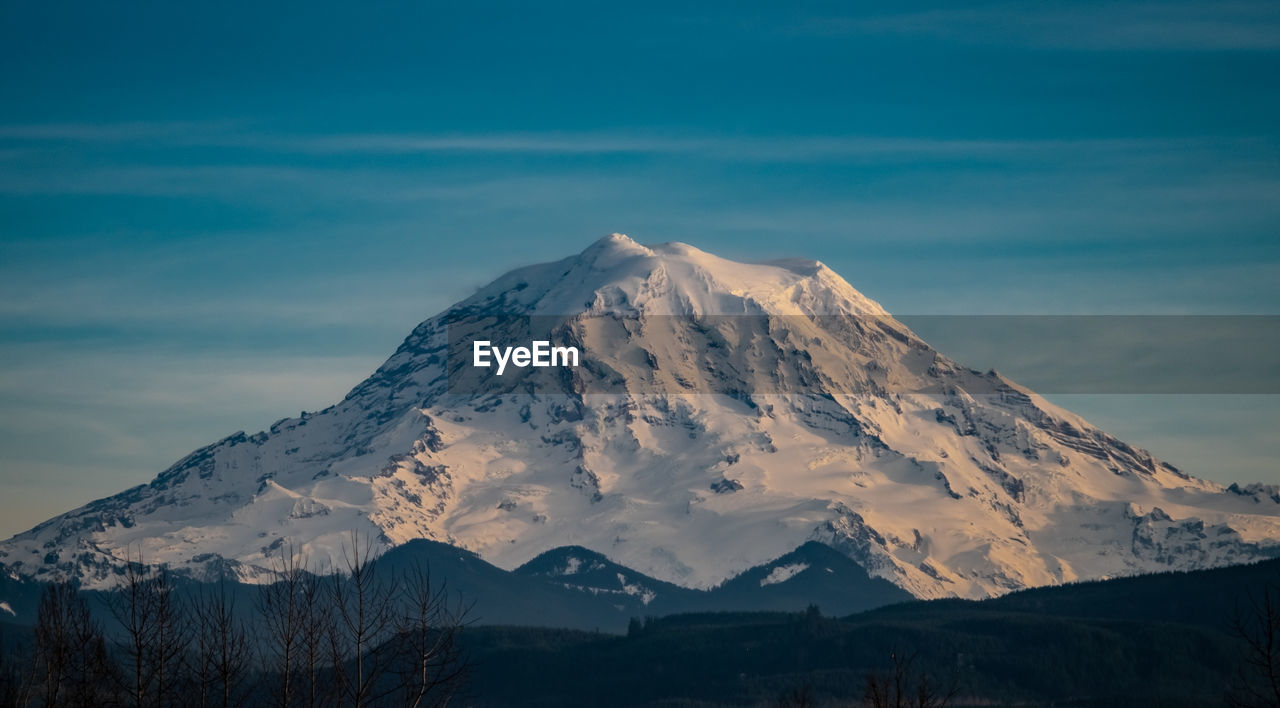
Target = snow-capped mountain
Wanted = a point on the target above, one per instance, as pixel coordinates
(724, 414)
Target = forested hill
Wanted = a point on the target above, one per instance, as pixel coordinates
(1165, 639)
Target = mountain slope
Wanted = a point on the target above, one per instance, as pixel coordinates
(723, 415)
(811, 574)
(591, 574)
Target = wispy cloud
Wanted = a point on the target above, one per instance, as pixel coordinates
(742, 148)
(1125, 26)
(26, 139)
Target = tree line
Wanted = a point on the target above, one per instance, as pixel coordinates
(356, 636)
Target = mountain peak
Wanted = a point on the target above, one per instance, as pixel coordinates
(616, 244)
(618, 275)
(617, 240)
(719, 444)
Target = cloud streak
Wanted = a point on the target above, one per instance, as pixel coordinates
(1151, 26)
(30, 137)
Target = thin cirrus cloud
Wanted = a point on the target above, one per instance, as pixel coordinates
(1158, 192)
(221, 134)
(276, 167)
(1151, 26)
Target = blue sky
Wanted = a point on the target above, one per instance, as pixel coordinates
(213, 215)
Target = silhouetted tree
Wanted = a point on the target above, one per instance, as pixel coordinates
(429, 662)
(223, 656)
(357, 637)
(153, 635)
(281, 608)
(316, 620)
(70, 657)
(1257, 623)
(363, 621)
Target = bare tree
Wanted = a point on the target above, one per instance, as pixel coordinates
(358, 637)
(906, 685)
(223, 654)
(1257, 624)
(70, 653)
(169, 636)
(153, 634)
(316, 620)
(281, 607)
(429, 663)
(53, 639)
(362, 623)
(131, 609)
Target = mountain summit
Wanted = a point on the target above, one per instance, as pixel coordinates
(724, 414)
